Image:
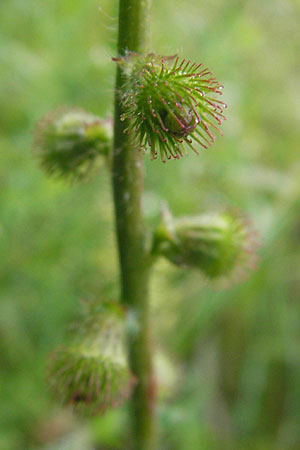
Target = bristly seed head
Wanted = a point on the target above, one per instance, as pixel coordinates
(221, 245)
(89, 382)
(91, 373)
(170, 102)
(71, 142)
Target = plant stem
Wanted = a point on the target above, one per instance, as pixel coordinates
(127, 177)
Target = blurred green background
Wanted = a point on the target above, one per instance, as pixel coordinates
(228, 361)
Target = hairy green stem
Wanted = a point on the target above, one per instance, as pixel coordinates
(127, 177)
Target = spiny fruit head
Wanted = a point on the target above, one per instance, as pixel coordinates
(91, 373)
(221, 245)
(69, 142)
(88, 381)
(170, 102)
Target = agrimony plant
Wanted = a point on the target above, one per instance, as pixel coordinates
(168, 105)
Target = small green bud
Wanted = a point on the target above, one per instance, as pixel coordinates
(92, 373)
(220, 245)
(169, 103)
(69, 142)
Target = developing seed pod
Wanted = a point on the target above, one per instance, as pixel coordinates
(69, 143)
(92, 373)
(219, 245)
(170, 102)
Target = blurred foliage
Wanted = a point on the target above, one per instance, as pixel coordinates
(236, 359)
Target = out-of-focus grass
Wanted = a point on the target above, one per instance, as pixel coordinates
(236, 358)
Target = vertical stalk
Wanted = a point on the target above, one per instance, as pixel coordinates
(127, 177)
